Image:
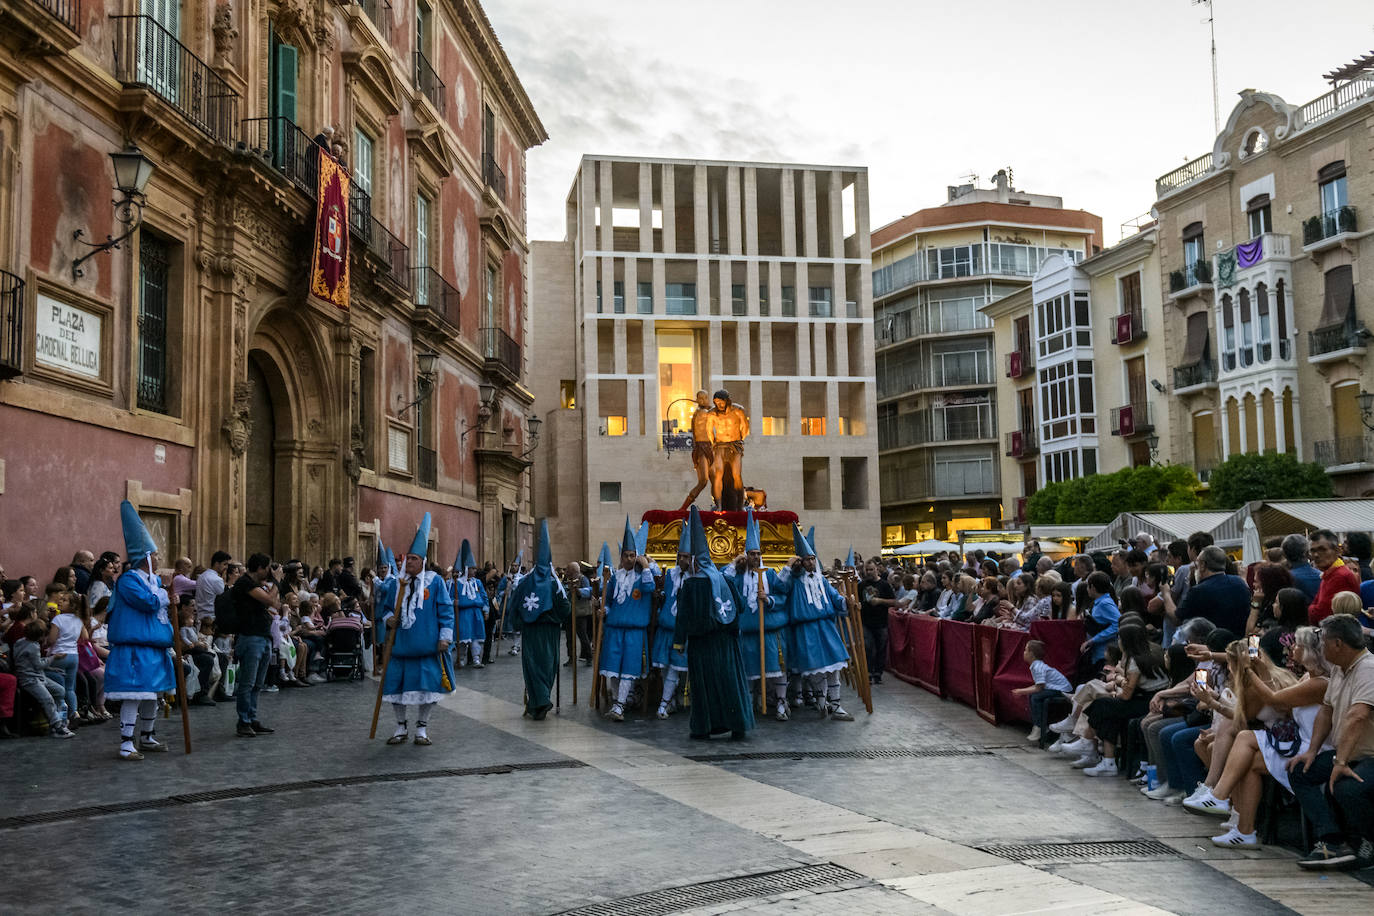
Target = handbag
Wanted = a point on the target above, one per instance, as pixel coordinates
(231, 678)
(1284, 737)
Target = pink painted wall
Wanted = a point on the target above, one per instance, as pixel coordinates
(400, 516)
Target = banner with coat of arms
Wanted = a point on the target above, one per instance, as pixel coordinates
(329, 263)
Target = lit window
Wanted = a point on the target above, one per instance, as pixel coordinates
(615, 426)
(813, 426)
(773, 426)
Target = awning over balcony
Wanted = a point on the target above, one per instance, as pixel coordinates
(1195, 347)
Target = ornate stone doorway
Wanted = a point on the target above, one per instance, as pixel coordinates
(259, 519)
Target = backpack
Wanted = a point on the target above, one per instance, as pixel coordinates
(226, 614)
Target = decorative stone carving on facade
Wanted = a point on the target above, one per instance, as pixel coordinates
(225, 33)
(238, 425)
(353, 462)
(312, 530)
(269, 236)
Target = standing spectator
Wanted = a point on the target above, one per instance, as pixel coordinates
(1295, 549)
(182, 583)
(210, 585)
(1145, 542)
(877, 598)
(346, 581)
(1359, 547)
(1221, 598)
(1337, 785)
(82, 562)
(329, 580)
(253, 597)
(1336, 576)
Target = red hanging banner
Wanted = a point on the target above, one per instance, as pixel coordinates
(329, 263)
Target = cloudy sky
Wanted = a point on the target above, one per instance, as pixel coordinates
(1087, 100)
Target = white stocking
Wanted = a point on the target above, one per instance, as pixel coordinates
(623, 693)
(401, 723)
(670, 679)
(422, 720)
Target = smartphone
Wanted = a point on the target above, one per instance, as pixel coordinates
(1254, 647)
(1200, 678)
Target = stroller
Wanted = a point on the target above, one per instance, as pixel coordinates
(343, 648)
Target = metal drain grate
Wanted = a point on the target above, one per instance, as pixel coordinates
(191, 798)
(1082, 852)
(727, 890)
(866, 753)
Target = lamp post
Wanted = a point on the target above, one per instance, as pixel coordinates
(1152, 443)
(424, 383)
(532, 423)
(132, 170)
(1366, 402)
(486, 393)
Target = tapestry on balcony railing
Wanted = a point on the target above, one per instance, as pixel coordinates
(329, 264)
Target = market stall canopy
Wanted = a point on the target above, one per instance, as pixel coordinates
(1342, 516)
(925, 548)
(1223, 526)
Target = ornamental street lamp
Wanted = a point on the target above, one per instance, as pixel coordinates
(132, 170)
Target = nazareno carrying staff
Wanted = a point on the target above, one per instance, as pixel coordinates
(541, 608)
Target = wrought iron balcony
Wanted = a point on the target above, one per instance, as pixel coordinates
(148, 56)
(436, 295)
(1132, 420)
(67, 12)
(1198, 273)
(1020, 363)
(428, 82)
(288, 149)
(11, 325)
(1128, 327)
(494, 178)
(502, 353)
(1331, 223)
(1198, 375)
(426, 467)
(1021, 443)
(1348, 450)
(1348, 335)
(379, 11)
(392, 251)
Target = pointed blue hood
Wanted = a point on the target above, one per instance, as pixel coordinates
(722, 599)
(604, 559)
(751, 530)
(800, 544)
(534, 593)
(465, 559)
(642, 538)
(419, 547)
(811, 539)
(849, 558)
(684, 542)
(382, 558)
(630, 539)
(138, 543)
(391, 561)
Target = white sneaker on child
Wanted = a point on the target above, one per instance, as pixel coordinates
(1034, 735)
(1091, 759)
(1063, 726)
(1234, 839)
(1107, 767)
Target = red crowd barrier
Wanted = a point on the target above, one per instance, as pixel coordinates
(979, 666)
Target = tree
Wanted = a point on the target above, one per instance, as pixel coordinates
(1098, 498)
(1272, 475)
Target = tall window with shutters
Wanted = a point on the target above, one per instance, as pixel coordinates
(284, 73)
(422, 209)
(153, 277)
(362, 160)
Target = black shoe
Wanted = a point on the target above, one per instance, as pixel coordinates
(261, 729)
(245, 731)
(1328, 857)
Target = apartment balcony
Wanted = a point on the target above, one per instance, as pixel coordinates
(1128, 328)
(147, 56)
(1183, 176)
(1336, 342)
(1350, 453)
(435, 296)
(428, 84)
(1022, 502)
(1021, 443)
(1132, 420)
(281, 144)
(502, 354)
(426, 467)
(11, 325)
(1020, 363)
(1195, 378)
(392, 252)
(46, 26)
(1329, 229)
(379, 11)
(1190, 281)
(494, 178)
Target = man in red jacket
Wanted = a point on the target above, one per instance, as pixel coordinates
(1337, 577)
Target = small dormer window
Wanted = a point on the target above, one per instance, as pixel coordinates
(1256, 142)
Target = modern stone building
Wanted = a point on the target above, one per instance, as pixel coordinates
(938, 371)
(1085, 376)
(1265, 246)
(684, 274)
(189, 369)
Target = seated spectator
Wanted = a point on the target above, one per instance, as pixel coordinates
(949, 598)
(1305, 576)
(202, 658)
(1101, 620)
(1289, 612)
(1037, 606)
(1336, 577)
(1270, 579)
(1047, 684)
(182, 582)
(1346, 717)
(1359, 548)
(1218, 596)
(1061, 602)
(30, 671)
(1145, 675)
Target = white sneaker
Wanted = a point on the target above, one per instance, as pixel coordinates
(1173, 801)
(780, 713)
(663, 712)
(1054, 749)
(1063, 726)
(1202, 791)
(1090, 759)
(1034, 735)
(271, 688)
(316, 679)
(1208, 804)
(1075, 749)
(1107, 767)
(1231, 822)
(1160, 792)
(617, 713)
(1234, 839)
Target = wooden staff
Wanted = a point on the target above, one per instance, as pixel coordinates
(763, 661)
(861, 653)
(575, 650)
(600, 627)
(498, 634)
(386, 654)
(181, 689)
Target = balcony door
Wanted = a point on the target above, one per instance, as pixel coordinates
(282, 97)
(158, 55)
(1136, 386)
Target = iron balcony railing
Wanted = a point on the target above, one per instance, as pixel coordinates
(1199, 373)
(147, 55)
(1020, 363)
(1198, 273)
(1343, 96)
(436, 295)
(360, 213)
(1185, 174)
(428, 82)
(1131, 420)
(1128, 327)
(1332, 222)
(1332, 453)
(1021, 443)
(11, 324)
(501, 351)
(392, 251)
(67, 12)
(426, 467)
(288, 149)
(379, 11)
(494, 177)
(1347, 335)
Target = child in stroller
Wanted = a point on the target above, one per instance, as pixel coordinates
(343, 643)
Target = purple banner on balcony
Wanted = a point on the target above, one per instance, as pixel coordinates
(1250, 253)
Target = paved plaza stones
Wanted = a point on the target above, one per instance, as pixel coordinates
(505, 815)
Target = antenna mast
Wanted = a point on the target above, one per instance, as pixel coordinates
(1216, 98)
